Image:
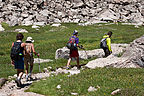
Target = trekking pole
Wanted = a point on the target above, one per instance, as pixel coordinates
(39, 63)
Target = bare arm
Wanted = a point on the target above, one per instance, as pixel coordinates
(33, 49)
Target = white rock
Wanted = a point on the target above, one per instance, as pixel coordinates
(21, 30)
(39, 60)
(34, 26)
(74, 93)
(55, 25)
(90, 89)
(1, 28)
(39, 23)
(58, 86)
(115, 91)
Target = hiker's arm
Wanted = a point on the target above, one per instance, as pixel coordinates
(34, 50)
(109, 44)
(12, 44)
(12, 61)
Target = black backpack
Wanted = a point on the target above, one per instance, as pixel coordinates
(16, 51)
(103, 43)
(71, 44)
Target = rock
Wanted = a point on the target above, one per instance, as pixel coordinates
(39, 23)
(38, 60)
(58, 86)
(55, 25)
(115, 91)
(90, 89)
(21, 30)
(133, 54)
(1, 28)
(113, 58)
(45, 70)
(74, 93)
(64, 52)
(2, 81)
(13, 21)
(44, 12)
(27, 23)
(34, 26)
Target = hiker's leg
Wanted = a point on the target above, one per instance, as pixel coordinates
(27, 67)
(31, 67)
(78, 62)
(31, 64)
(107, 52)
(68, 63)
(19, 73)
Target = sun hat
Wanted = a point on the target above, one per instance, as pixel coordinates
(75, 32)
(29, 39)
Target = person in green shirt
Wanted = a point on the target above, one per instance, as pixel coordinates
(108, 50)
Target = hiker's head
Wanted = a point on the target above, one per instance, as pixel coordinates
(29, 40)
(75, 32)
(109, 33)
(19, 36)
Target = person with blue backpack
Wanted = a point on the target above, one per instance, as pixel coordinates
(73, 46)
(17, 57)
(106, 44)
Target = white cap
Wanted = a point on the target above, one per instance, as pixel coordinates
(30, 39)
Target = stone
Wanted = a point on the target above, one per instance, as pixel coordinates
(74, 93)
(13, 21)
(55, 25)
(115, 91)
(35, 26)
(39, 23)
(45, 12)
(21, 30)
(2, 81)
(1, 28)
(58, 86)
(39, 60)
(90, 89)
(111, 59)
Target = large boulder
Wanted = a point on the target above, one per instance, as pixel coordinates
(117, 50)
(86, 54)
(134, 54)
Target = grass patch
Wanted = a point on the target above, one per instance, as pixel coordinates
(109, 79)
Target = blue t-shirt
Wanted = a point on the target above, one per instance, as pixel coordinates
(76, 39)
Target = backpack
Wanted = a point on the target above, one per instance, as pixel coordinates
(28, 50)
(103, 43)
(71, 44)
(16, 51)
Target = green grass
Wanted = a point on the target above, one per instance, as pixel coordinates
(48, 39)
(131, 81)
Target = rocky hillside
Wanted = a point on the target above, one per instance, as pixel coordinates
(28, 12)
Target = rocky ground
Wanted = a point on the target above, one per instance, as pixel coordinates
(41, 12)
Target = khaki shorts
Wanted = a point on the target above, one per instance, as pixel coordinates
(28, 59)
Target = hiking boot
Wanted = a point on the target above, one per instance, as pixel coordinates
(67, 67)
(18, 82)
(28, 76)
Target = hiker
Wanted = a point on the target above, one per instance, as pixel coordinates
(74, 51)
(108, 50)
(17, 58)
(28, 56)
